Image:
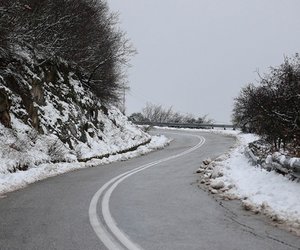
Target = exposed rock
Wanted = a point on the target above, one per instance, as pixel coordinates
(224, 189)
(202, 181)
(277, 218)
(217, 184)
(229, 196)
(4, 109)
(207, 175)
(248, 206)
(203, 166)
(209, 168)
(214, 191)
(207, 161)
(200, 170)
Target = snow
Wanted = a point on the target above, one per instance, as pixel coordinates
(267, 192)
(20, 179)
(62, 126)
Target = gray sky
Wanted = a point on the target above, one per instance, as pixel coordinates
(195, 55)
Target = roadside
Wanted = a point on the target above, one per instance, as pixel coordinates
(233, 176)
(274, 195)
(13, 181)
(159, 208)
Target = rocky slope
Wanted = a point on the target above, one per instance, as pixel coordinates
(48, 114)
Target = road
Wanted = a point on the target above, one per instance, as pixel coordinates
(150, 202)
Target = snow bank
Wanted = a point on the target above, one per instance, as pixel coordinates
(20, 179)
(260, 191)
(269, 192)
(233, 176)
(53, 122)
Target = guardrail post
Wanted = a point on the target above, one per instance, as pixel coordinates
(186, 125)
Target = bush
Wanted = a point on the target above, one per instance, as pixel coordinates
(272, 109)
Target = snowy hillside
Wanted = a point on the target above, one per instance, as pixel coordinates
(49, 119)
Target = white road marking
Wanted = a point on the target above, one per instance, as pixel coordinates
(116, 236)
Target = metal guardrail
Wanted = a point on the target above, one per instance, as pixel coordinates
(186, 125)
(285, 166)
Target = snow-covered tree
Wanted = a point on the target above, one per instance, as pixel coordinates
(158, 113)
(81, 32)
(272, 109)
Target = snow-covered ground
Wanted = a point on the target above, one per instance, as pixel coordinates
(233, 176)
(261, 191)
(20, 179)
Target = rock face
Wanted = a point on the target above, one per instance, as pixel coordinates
(4, 109)
(49, 99)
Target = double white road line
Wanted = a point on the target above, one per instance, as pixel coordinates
(106, 229)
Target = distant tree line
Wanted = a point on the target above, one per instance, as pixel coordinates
(158, 113)
(81, 32)
(272, 109)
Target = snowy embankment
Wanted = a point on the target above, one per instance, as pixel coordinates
(51, 122)
(20, 179)
(233, 177)
(261, 191)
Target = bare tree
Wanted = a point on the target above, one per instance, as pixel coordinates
(157, 113)
(81, 32)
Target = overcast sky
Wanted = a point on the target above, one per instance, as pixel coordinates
(196, 55)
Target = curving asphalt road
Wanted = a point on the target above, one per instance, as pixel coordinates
(150, 202)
